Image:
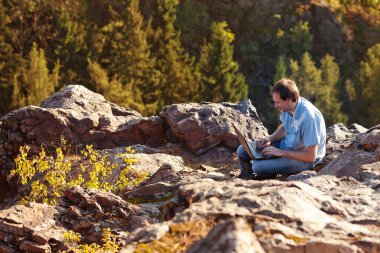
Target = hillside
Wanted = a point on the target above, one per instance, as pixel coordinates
(147, 54)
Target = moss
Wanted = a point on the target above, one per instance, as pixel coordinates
(161, 198)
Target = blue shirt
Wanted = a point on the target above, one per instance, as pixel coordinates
(305, 128)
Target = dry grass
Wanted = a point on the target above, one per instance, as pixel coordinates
(179, 237)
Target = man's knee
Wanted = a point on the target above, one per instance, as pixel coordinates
(260, 170)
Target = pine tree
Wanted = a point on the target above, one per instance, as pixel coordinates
(221, 79)
(308, 78)
(178, 75)
(34, 83)
(281, 68)
(138, 64)
(112, 89)
(370, 86)
(300, 39)
(5, 52)
(124, 54)
(327, 92)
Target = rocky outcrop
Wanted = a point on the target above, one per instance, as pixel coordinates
(232, 235)
(204, 126)
(320, 214)
(355, 151)
(188, 151)
(81, 117)
(84, 117)
(31, 228)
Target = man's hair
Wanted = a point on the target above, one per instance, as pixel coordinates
(286, 88)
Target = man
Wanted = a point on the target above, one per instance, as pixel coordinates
(299, 142)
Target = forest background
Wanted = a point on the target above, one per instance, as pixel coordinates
(147, 54)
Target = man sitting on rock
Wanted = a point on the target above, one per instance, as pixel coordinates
(299, 142)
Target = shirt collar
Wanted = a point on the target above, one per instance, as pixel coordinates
(297, 112)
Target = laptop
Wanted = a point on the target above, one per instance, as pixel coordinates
(249, 146)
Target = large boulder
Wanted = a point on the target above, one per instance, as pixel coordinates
(320, 214)
(81, 117)
(352, 152)
(204, 126)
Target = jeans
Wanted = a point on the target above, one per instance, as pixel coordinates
(269, 168)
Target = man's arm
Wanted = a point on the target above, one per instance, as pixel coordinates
(307, 155)
(278, 134)
(267, 140)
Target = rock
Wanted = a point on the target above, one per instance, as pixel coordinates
(290, 216)
(348, 164)
(370, 174)
(370, 139)
(338, 132)
(232, 235)
(81, 117)
(32, 227)
(153, 232)
(302, 176)
(6, 249)
(156, 192)
(28, 246)
(204, 126)
(350, 157)
(357, 129)
(331, 246)
(86, 199)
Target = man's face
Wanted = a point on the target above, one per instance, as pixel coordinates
(282, 105)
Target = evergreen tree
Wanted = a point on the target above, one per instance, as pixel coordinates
(281, 68)
(370, 86)
(125, 56)
(34, 83)
(294, 69)
(300, 39)
(178, 75)
(308, 78)
(7, 61)
(112, 89)
(327, 93)
(69, 43)
(221, 79)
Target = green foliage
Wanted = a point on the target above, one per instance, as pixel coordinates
(56, 175)
(350, 90)
(221, 79)
(327, 93)
(112, 90)
(37, 82)
(320, 86)
(178, 75)
(281, 68)
(109, 243)
(123, 52)
(150, 53)
(50, 175)
(129, 175)
(300, 39)
(307, 77)
(370, 86)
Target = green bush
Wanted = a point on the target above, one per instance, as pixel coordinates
(50, 175)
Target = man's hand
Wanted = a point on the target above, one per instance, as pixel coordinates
(272, 151)
(262, 143)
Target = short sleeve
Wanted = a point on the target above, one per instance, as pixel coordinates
(312, 131)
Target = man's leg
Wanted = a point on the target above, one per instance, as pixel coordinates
(284, 166)
(244, 162)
